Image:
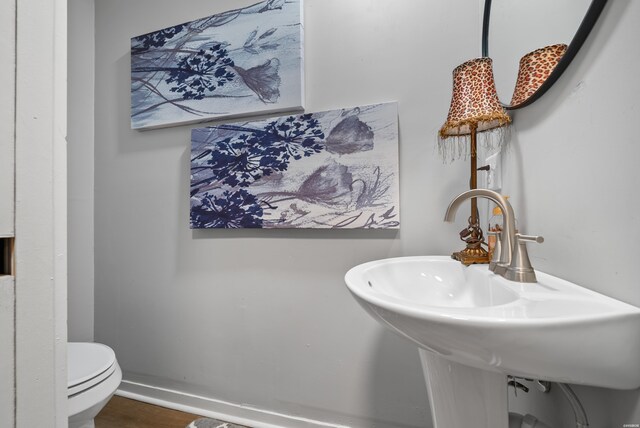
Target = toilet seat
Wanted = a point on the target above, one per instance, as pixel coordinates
(88, 364)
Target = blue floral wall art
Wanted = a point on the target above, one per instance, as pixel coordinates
(331, 170)
(244, 61)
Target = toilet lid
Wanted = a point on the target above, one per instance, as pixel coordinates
(87, 365)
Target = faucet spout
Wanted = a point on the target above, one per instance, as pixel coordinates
(509, 228)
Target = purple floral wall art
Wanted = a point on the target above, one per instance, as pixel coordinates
(244, 61)
(334, 169)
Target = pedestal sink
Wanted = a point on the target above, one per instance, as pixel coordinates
(474, 328)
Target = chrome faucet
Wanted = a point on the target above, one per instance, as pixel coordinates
(512, 261)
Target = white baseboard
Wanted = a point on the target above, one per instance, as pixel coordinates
(216, 409)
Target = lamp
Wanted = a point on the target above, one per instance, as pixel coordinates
(474, 108)
(535, 68)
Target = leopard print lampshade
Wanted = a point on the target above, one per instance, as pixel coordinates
(474, 104)
(535, 68)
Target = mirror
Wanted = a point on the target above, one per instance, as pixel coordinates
(513, 29)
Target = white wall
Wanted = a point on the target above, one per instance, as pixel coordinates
(7, 117)
(41, 214)
(262, 318)
(7, 207)
(7, 351)
(80, 172)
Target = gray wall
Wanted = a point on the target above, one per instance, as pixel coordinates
(572, 168)
(80, 156)
(262, 318)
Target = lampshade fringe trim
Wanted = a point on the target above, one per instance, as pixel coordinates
(452, 147)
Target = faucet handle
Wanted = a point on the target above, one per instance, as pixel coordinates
(529, 238)
(520, 269)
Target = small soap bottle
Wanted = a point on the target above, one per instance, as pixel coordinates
(495, 225)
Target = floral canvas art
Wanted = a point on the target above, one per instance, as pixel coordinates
(244, 61)
(333, 169)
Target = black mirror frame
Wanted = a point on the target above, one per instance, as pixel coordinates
(587, 24)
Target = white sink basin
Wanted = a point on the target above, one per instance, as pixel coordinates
(552, 330)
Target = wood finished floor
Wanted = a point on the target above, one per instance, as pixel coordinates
(125, 413)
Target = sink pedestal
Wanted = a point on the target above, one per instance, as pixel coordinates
(463, 396)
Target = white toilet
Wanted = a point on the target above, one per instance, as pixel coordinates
(93, 377)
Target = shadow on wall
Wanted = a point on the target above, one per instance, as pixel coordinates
(396, 367)
(622, 405)
(341, 234)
